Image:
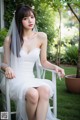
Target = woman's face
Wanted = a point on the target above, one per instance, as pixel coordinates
(29, 22)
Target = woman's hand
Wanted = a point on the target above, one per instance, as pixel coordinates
(9, 73)
(60, 71)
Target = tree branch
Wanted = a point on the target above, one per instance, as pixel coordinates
(73, 12)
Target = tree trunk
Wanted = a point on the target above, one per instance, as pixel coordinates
(78, 63)
(59, 42)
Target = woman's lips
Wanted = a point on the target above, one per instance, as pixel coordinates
(30, 25)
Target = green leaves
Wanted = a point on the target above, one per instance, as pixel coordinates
(71, 55)
(45, 19)
(3, 33)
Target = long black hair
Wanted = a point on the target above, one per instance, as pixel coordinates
(21, 12)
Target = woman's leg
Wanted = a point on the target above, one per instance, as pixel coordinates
(42, 108)
(31, 102)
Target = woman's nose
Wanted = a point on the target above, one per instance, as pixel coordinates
(29, 19)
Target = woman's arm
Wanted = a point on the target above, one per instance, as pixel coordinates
(6, 59)
(6, 54)
(43, 57)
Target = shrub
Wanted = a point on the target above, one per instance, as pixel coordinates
(71, 55)
(51, 57)
(3, 33)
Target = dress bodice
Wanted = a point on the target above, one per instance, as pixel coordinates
(26, 61)
(32, 56)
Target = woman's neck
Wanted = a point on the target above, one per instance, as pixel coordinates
(27, 33)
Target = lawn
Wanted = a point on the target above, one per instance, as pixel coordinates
(68, 104)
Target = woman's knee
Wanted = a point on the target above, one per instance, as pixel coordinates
(44, 92)
(32, 95)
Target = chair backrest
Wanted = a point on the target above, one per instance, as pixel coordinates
(1, 54)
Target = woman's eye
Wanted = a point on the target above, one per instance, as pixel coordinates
(32, 16)
(25, 18)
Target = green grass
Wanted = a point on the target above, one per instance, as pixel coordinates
(68, 104)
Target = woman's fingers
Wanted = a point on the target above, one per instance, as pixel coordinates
(9, 73)
(60, 72)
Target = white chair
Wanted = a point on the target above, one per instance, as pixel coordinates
(40, 74)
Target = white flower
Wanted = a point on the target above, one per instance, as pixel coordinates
(33, 7)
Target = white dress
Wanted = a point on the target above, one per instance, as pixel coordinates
(24, 80)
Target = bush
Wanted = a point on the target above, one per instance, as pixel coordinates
(71, 55)
(51, 57)
(3, 33)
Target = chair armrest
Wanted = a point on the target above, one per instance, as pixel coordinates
(53, 71)
(2, 72)
(46, 69)
(43, 70)
(1, 49)
(1, 77)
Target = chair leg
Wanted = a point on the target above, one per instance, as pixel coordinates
(8, 100)
(8, 109)
(55, 96)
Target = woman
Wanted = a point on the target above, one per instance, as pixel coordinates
(22, 48)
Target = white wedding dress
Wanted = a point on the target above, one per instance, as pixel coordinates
(24, 80)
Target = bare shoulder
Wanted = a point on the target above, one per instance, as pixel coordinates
(42, 35)
(7, 39)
